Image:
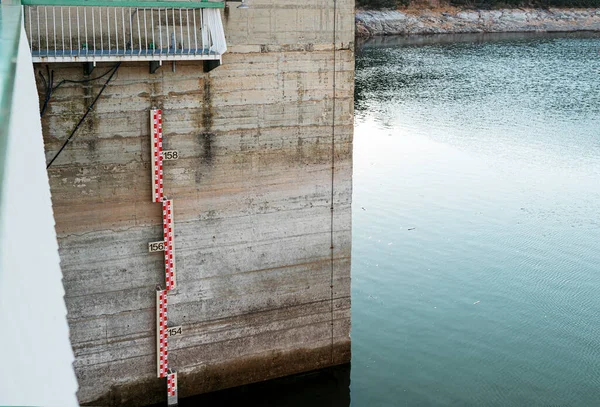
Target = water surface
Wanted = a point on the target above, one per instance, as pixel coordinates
(476, 228)
(476, 222)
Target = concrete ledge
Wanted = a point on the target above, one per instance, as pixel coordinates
(218, 376)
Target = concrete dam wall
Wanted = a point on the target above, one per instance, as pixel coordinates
(262, 207)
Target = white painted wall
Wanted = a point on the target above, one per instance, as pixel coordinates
(36, 353)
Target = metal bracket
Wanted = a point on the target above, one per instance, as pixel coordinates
(88, 67)
(154, 65)
(211, 64)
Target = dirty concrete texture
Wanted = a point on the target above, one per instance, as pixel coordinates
(263, 262)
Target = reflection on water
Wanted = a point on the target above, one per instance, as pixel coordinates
(476, 221)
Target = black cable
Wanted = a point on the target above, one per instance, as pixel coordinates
(45, 94)
(84, 80)
(48, 84)
(44, 79)
(50, 88)
(331, 247)
(85, 114)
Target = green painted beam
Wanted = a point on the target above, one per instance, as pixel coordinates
(10, 34)
(126, 3)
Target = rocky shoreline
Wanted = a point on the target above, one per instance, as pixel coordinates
(393, 22)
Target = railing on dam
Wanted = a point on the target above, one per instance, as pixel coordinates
(119, 30)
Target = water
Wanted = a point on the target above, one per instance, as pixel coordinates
(476, 229)
(476, 222)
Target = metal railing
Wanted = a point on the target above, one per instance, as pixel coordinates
(99, 32)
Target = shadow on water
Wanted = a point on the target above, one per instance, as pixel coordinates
(327, 387)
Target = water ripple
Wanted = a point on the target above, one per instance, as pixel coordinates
(476, 223)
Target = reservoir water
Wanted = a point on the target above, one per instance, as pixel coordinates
(476, 229)
(476, 221)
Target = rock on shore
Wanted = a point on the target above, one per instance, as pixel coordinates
(393, 22)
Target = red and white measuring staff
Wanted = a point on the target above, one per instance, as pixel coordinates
(156, 139)
(168, 232)
(171, 388)
(162, 353)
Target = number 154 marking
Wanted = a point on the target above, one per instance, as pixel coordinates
(174, 331)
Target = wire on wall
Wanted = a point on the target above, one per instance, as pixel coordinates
(50, 88)
(113, 71)
(333, 165)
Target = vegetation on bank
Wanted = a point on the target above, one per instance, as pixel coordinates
(479, 4)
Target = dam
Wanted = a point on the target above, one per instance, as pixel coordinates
(257, 148)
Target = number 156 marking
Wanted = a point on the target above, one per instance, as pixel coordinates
(156, 246)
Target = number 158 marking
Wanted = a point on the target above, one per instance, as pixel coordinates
(170, 155)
